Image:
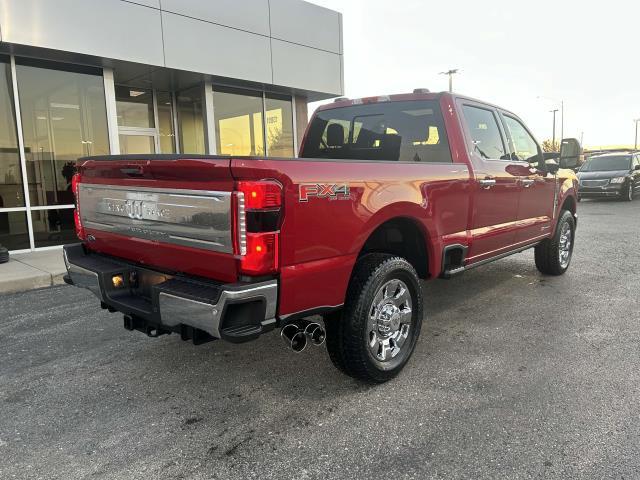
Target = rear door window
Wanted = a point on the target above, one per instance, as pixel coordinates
(486, 137)
(390, 131)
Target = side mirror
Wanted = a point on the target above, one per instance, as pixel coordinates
(637, 167)
(570, 152)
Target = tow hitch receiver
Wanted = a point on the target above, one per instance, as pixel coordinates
(187, 333)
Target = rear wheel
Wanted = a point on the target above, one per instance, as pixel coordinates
(374, 336)
(553, 255)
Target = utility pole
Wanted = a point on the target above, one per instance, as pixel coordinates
(450, 73)
(637, 120)
(554, 127)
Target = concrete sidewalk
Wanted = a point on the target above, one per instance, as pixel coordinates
(27, 271)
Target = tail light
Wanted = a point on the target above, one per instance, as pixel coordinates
(75, 181)
(258, 214)
(261, 195)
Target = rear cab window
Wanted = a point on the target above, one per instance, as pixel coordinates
(410, 131)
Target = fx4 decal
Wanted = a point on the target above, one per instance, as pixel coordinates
(332, 191)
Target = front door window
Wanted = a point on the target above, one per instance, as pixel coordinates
(524, 147)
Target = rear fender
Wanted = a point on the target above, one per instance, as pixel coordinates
(417, 215)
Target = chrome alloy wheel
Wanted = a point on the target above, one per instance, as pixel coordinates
(389, 320)
(565, 246)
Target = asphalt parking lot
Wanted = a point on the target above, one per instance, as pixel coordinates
(515, 376)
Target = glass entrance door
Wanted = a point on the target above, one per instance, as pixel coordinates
(145, 121)
(137, 120)
(137, 143)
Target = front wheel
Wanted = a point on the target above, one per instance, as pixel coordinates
(629, 195)
(553, 255)
(374, 336)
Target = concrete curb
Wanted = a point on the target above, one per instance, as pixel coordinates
(28, 271)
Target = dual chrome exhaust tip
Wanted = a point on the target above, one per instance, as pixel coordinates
(298, 335)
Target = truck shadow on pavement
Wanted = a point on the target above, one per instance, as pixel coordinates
(267, 363)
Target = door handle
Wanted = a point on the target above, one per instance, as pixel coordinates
(487, 183)
(527, 182)
(133, 171)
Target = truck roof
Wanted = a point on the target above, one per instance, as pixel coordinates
(401, 97)
(420, 94)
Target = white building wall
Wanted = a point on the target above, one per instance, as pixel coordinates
(283, 42)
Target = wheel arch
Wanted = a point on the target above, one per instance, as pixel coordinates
(570, 204)
(405, 237)
(568, 200)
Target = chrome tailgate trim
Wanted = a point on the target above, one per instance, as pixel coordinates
(191, 218)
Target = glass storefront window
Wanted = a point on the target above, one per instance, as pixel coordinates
(137, 144)
(239, 121)
(53, 227)
(14, 233)
(165, 123)
(11, 188)
(279, 119)
(190, 121)
(63, 118)
(134, 107)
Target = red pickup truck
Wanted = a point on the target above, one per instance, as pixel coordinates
(388, 190)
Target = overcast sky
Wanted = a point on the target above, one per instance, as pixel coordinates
(509, 53)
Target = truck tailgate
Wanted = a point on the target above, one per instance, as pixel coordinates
(171, 213)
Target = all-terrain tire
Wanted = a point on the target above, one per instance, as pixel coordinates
(548, 253)
(348, 340)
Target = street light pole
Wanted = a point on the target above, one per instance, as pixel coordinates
(450, 73)
(561, 102)
(553, 142)
(562, 120)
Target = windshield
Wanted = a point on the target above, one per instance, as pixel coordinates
(607, 164)
(393, 131)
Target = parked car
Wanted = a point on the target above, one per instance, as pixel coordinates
(610, 175)
(388, 191)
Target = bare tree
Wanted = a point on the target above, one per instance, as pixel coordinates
(549, 146)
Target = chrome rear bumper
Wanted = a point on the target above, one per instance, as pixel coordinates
(234, 312)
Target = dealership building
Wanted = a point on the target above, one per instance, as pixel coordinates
(95, 77)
